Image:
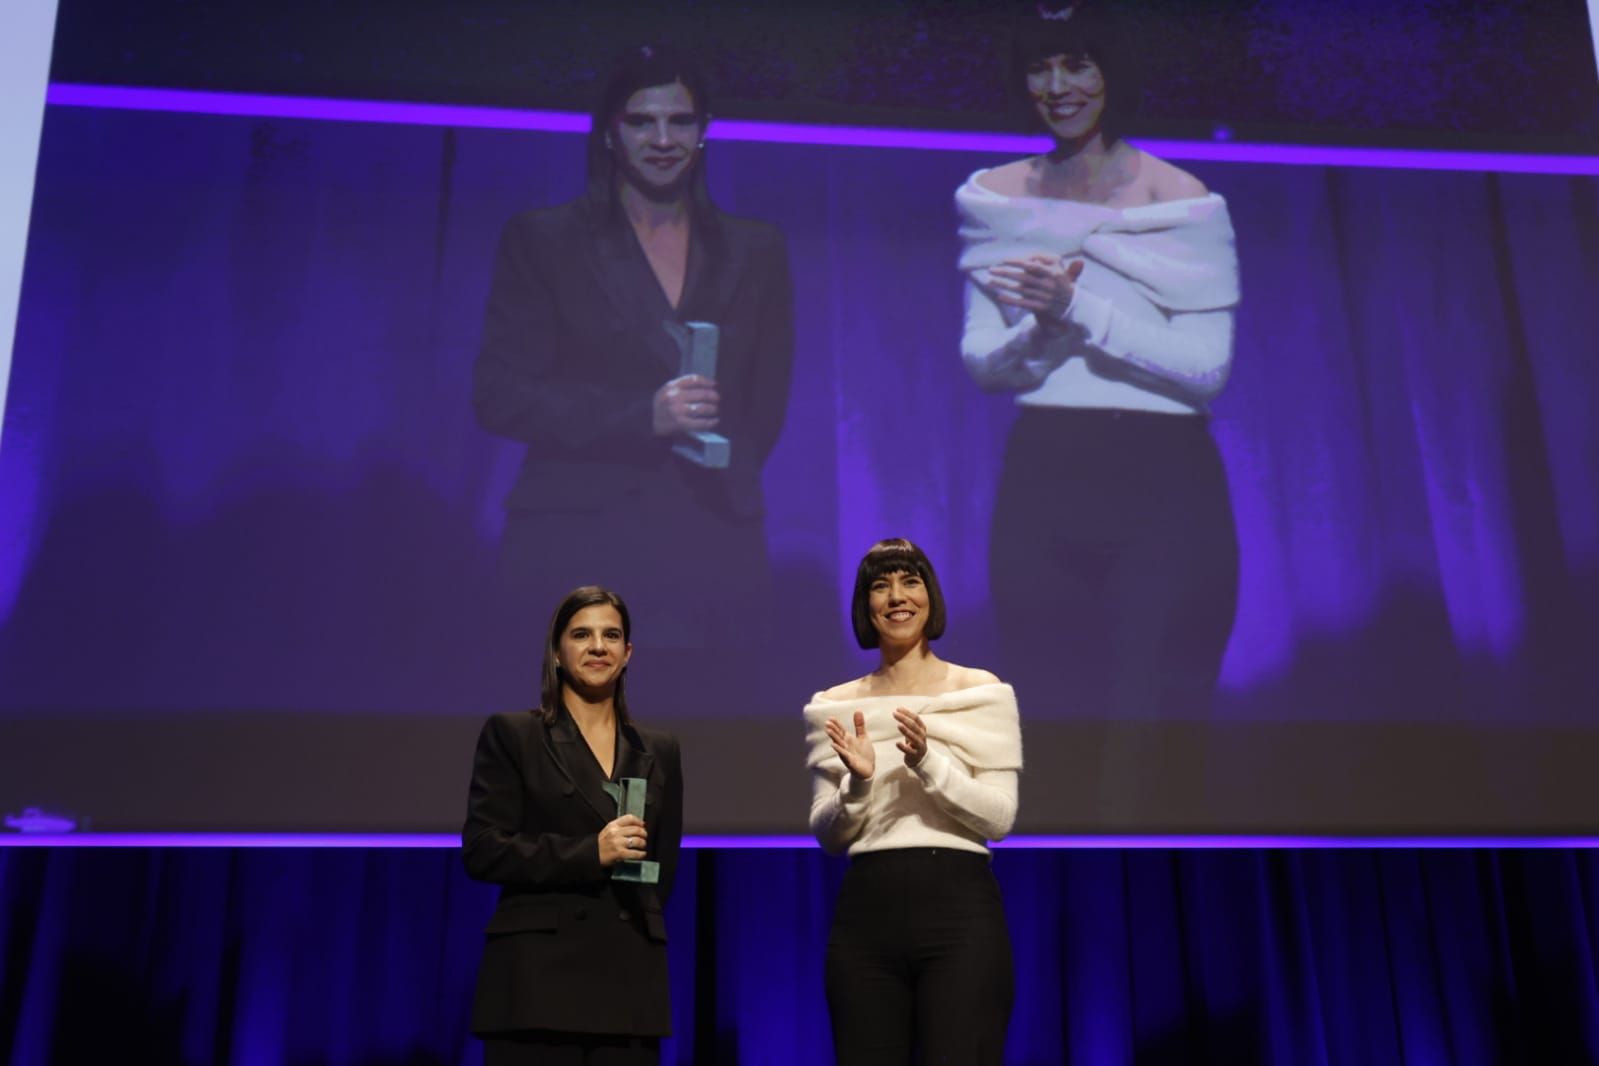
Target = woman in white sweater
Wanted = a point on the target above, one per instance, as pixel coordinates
(1101, 289)
(914, 770)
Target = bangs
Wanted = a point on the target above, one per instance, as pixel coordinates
(1043, 38)
(1084, 34)
(893, 559)
(897, 556)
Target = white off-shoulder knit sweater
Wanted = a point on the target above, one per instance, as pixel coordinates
(1152, 317)
(961, 795)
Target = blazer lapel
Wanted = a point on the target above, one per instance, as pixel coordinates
(562, 741)
(621, 271)
(711, 276)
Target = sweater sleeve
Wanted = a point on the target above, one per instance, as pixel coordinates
(838, 806)
(1001, 355)
(1191, 349)
(984, 801)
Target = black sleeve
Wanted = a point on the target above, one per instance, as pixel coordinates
(668, 833)
(522, 388)
(496, 844)
(765, 403)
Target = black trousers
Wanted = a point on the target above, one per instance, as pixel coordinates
(1113, 564)
(919, 957)
(571, 1049)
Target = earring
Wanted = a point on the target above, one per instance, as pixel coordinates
(608, 144)
(701, 145)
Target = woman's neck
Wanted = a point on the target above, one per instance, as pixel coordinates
(1090, 164)
(591, 711)
(905, 666)
(648, 214)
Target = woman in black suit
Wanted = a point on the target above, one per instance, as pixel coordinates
(574, 967)
(578, 363)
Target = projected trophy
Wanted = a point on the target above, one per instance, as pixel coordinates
(629, 796)
(697, 343)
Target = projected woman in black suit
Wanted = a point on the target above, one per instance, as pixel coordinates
(574, 966)
(577, 361)
(1102, 284)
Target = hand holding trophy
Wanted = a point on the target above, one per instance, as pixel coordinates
(697, 342)
(629, 796)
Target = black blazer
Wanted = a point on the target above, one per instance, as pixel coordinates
(567, 948)
(574, 349)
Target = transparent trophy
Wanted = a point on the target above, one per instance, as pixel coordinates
(696, 341)
(629, 796)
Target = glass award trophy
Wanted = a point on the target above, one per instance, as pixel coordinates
(629, 796)
(696, 341)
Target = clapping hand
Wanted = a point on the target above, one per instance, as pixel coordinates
(913, 733)
(855, 749)
(1042, 284)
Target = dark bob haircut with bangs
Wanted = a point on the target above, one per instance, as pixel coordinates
(894, 556)
(635, 70)
(1089, 32)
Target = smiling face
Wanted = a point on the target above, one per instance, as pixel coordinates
(1068, 93)
(896, 596)
(593, 650)
(898, 604)
(655, 140)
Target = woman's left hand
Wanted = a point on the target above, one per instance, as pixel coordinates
(1042, 284)
(913, 732)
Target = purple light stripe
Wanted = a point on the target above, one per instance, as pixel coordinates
(186, 101)
(1301, 841)
(749, 843)
(876, 137)
(197, 102)
(1300, 155)
(230, 840)
(1593, 27)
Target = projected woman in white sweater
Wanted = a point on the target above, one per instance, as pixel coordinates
(914, 770)
(1101, 289)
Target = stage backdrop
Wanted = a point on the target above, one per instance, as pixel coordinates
(248, 525)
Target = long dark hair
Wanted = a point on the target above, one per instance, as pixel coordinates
(894, 556)
(1085, 29)
(550, 700)
(640, 68)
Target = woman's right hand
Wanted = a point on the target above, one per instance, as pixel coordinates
(860, 758)
(624, 838)
(1042, 284)
(686, 405)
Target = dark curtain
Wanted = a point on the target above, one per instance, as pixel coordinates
(1141, 957)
